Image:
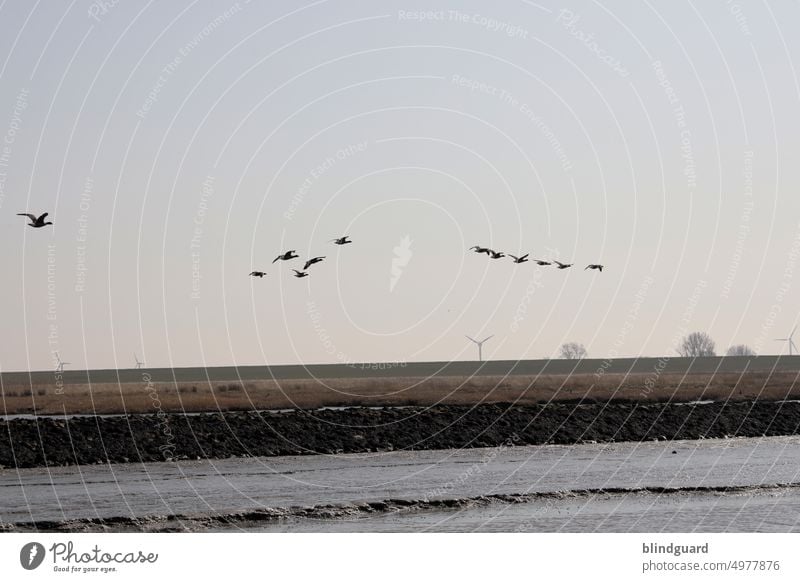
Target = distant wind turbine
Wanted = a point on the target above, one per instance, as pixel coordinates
(60, 366)
(789, 341)
(138, 363)
(480, 345)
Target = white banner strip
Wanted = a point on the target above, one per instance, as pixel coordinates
(402, 557)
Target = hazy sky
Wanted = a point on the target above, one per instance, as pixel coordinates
(180, 145)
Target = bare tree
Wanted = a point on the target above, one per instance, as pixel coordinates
(740, 350)
(697, 344)
(572, 351)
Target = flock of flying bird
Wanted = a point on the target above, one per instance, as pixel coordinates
(39, 222)
(492, 254)
(289, 255)
(524, 259)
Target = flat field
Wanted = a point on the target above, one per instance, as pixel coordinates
(149, 396)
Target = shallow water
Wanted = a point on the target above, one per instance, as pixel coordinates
(231, 485)
(31, 416)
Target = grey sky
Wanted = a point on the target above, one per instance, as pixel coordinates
(178, 146)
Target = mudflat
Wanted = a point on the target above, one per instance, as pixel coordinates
(158, 437)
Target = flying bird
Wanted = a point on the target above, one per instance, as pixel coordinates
(341, 241)
(562, 265)
(542, 263)
(478, 249)
(522, 259)
(598, 267)
(34, 221)
(257, 274)
(496, 254)
(310, 262)
(299, 274)
(286, 256)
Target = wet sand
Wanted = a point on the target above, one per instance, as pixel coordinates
(707, 485)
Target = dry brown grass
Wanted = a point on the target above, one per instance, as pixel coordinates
(308, 394)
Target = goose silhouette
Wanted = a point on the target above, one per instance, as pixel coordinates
(341, 241)
(313, 261)
(542, 263)
(562, 265)
(496, 254)
(478, 249)
(34, 221)
(598, 267)
(522, 259)
(257, 274)
(299, 274)
(288, 255)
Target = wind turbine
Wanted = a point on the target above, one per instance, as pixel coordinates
(480, 345)
(138, 363)
(789, 340)
(60, 366)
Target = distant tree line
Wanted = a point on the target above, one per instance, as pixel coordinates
(740, 350)
(572, 351)
(697, 344)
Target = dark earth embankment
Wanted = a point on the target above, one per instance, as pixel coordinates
(86, 440)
